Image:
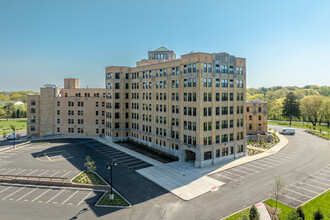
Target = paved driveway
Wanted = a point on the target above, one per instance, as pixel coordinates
(304, 160)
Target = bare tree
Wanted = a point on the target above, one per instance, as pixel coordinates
(278, 190)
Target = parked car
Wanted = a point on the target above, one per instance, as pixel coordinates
(13, 136)
(291, 131)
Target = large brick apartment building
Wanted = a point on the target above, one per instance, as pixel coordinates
(192, 107)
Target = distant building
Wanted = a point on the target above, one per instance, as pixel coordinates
(67, 111)
(256, 117)
(14, 102)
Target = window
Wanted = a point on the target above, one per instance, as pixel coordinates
(217, 82)
(209, 82)
(224, 83)
(259, 117)
(259, 127)
(58, 103)
(33, 102)
(205, 82)
(224, 138)
(208, 155)
(194, 82)
(224, 96)
(247, 109)
(250, 117)
(224, 69)
(210, 67)
(205, 67)
(250, 127)
(259, 109)
(189, 68)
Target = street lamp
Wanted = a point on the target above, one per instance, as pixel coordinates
(110, 167)
(14, 138)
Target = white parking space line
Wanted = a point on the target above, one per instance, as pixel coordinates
(297, 193)
(70, 196)
(253, 166)
(267, 163)
(13, 193)
(27, 194)
(43, 172)
(276, 160)
(225, 171)
(318, 182)
(244, 167)
(291, 198)
(9, 171)
(6, 189)
(318, 173)
(20, 172)
(41, 195)
(54, 173)
(31, 172)
(128, 164)
(314, 186)
(261, 164)
(285, 156)
(304, 189)
(55, 196)
(320, 178)
(226, 177)
(66, 174)
(84, 198)
(235, 169)
(119, 158)
(130, 167)
(129, 159)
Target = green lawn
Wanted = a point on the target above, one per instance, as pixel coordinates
(88, 178)
(285, 210)
(321, 202)
(327, 136)
(299, 125)
(20, 125)
(117, 201)
(239, 215)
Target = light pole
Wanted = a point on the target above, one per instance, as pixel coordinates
(110, 167)
(14, 139)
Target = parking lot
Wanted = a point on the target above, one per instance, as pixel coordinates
(39, 172)
(240, 172)
(12, 152)
(49, 195)
(307, 188)
(124, 159)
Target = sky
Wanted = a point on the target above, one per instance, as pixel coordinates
(285, 43)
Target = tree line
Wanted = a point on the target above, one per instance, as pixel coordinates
(310, 103)
(15, 95)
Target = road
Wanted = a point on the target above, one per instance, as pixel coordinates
(310, 154)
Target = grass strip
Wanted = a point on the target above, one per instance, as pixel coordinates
(117, 201)
(88, 178)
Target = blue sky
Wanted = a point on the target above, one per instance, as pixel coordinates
(43, 41)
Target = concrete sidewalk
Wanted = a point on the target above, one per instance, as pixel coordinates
(264, 215)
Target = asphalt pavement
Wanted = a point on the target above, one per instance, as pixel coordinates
(305, 159)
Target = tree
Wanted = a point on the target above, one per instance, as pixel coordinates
(311, 107)
(291, 106)
(326, 110)
(9, 108)
(254, 214)
(90, 164)
(318, 215)
(301, 213)
(278, 190)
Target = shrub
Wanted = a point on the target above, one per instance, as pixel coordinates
(301, 213)
(293, 216)
(318, 215)
(254, 214)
